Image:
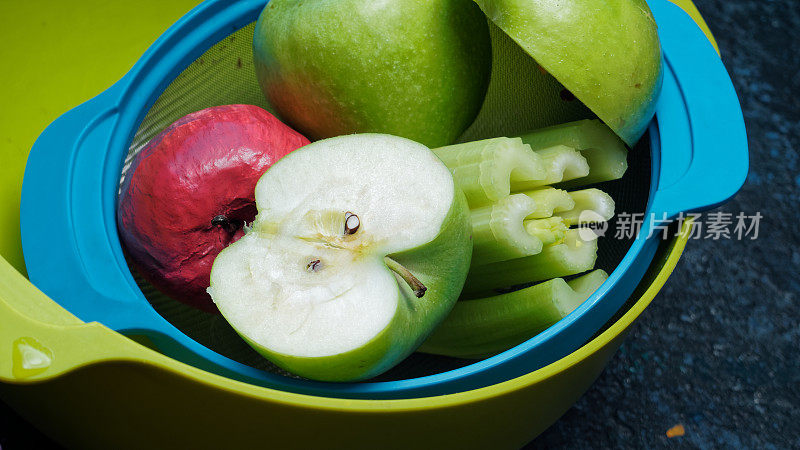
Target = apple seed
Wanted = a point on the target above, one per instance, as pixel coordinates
(351, 223)
(314, 266)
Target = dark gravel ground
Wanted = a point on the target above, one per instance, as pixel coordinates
(717, 350)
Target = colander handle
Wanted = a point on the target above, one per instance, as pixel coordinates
(704, 157)
(65, 217)
(66, 244)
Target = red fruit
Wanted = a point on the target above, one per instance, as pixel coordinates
(191, 189)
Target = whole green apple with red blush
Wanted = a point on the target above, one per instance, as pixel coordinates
(411, 68)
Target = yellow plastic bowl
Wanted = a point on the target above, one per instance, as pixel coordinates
(89, 387)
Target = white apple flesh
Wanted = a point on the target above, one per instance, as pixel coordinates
(360, 248)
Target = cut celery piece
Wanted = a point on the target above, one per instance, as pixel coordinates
(591, 206)
(484, 327)
(585, 285)
(485, 170)
(561, 163)
(604, 150)
(498, 232)
(549, 201)
(551, 230)
(573, 255)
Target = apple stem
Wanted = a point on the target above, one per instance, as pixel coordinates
(225, 223)
(416, 285)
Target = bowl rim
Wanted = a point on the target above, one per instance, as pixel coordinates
(116, 347)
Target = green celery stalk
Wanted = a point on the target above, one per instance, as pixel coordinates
(485, 170)
(585, 285)
(604, 150)
(498, 232)
(483, 327)
(549, 201)
(561, 163)
(573, 255)
(591, 205)
(551, 230)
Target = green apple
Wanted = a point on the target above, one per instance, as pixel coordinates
(604, 52)
(411, 68)
(360, 248)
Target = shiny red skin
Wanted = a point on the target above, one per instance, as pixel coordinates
(204, 165)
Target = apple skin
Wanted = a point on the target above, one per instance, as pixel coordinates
(606, 52)
(204, 165)
(411, 68)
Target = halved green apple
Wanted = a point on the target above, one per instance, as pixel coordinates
(604, 52)
(360, 248)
